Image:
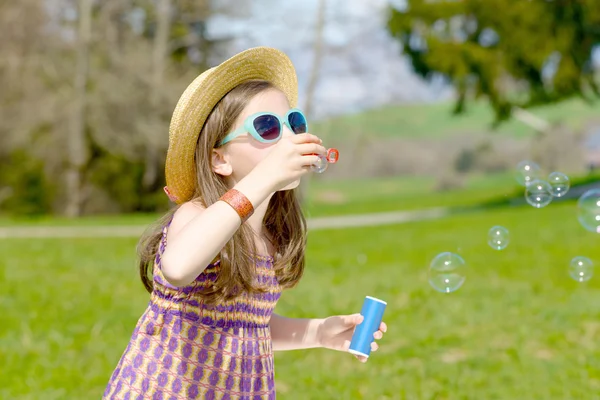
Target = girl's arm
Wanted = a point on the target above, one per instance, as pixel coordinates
(294, 333)
(196, 235)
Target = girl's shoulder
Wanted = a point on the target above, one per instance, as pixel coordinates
(184, 214)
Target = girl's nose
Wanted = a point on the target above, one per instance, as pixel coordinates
(286, 131)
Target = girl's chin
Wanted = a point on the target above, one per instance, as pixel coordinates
(292, 185)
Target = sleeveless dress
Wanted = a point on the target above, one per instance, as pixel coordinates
(182, 348)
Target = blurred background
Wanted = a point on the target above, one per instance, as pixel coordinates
(432, 105)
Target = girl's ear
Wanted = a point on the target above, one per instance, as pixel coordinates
(219, 162)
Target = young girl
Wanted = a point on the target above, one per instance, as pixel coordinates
(220, 260)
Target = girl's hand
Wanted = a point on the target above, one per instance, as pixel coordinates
(290, 159)
(336, 333)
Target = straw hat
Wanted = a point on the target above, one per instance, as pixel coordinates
(200, 98)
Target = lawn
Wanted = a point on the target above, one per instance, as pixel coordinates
(519, 327)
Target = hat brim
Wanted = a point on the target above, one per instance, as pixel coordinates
(201, 96)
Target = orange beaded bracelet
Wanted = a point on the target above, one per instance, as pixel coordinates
(239, 203)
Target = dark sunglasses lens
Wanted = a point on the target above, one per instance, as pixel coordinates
(297, 122)
(267, 127)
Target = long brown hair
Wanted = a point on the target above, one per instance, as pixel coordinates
(284, 221)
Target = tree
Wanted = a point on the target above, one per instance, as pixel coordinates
(159, 59)
(77, 147)
(317, 58)
(88, 89)
(518, 54)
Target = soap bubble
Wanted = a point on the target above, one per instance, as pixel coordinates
(538, 193)
(588, 207)
(498, 237)
(447, 272)
(559, 184)
(320, 166)
(581, 269)
(527, 172)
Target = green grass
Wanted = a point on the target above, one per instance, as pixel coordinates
(437, 120)
(519, 327)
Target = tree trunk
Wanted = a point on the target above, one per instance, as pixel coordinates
(159, 56)
(77, 151)
(314, 78)
(317, 58)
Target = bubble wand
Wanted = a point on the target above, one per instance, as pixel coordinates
(332, 157)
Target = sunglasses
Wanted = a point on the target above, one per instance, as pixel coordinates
(268, 127)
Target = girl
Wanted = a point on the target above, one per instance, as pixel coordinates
(220, 260)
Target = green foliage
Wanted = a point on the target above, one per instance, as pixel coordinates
(121, 180)
(481, 45)
(29, 191)
(465, 161)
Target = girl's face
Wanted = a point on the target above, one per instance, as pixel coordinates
(238, 157)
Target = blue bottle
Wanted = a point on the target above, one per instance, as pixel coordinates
(372, 311)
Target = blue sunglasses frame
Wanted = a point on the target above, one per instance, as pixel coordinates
(249, 126)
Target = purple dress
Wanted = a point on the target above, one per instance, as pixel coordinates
(182, 348)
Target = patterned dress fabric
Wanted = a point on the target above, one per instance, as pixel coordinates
(182, 348)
